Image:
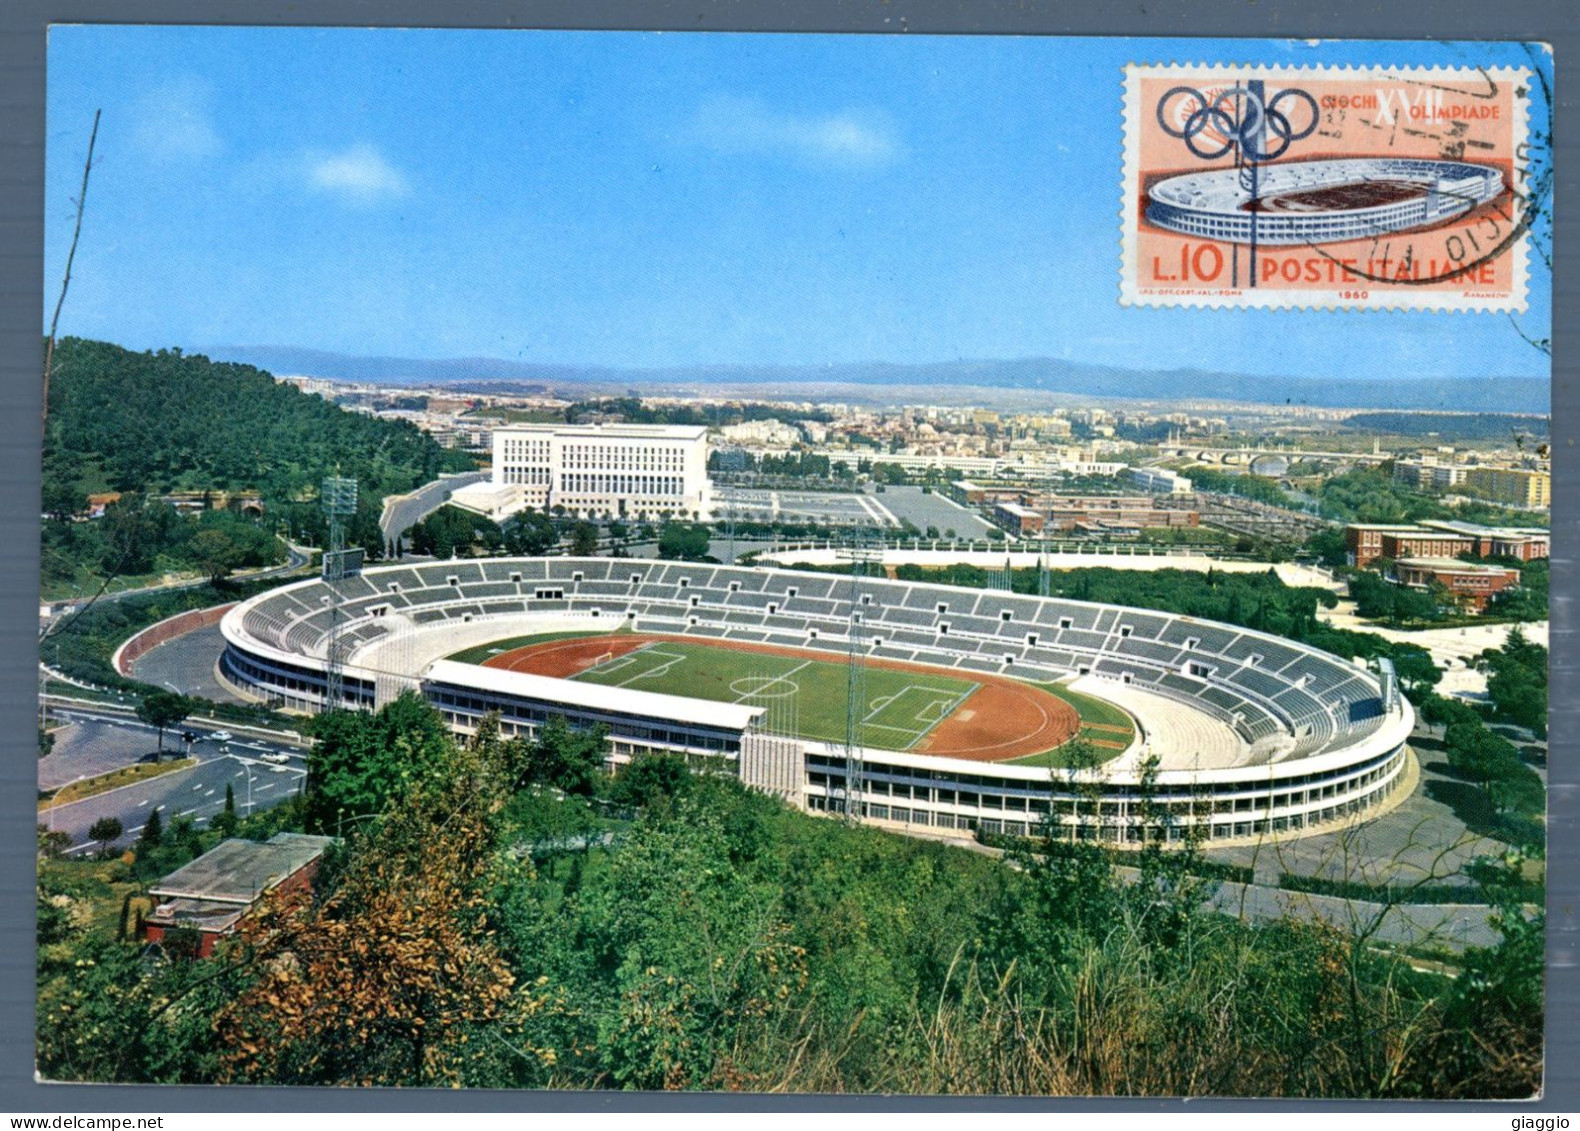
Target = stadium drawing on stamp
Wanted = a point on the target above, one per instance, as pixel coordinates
(1405, 188)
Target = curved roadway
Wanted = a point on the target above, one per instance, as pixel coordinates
(402, 512)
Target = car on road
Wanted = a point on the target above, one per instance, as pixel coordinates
(221, 736)
(277, 758)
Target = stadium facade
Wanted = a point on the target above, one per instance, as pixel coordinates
(1317, 202)
(1238, 733)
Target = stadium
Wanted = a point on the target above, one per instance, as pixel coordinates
(964, 709)
(1315, 202)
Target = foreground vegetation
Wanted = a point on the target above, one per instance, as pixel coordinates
(503, 914)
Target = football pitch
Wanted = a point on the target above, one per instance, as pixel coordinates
(802, 696)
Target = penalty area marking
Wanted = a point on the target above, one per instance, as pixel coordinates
(614, 665)
(940, 702)
(656, 672)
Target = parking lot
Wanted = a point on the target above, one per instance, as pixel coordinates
(823, 508)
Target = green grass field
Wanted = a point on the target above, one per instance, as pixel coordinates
(805, 697)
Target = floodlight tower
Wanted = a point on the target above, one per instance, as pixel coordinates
(729, 519)
(859, 553)
(339, 498)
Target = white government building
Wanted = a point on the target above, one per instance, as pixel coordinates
(633, 471)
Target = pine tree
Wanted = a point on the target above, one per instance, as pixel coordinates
(225, 824)
(153, 831)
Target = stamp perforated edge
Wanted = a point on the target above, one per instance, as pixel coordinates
(1398, 299)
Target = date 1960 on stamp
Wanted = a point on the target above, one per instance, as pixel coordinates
(1400, 188)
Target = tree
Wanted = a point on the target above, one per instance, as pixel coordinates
(1418, 673)
(62, 500)
(225, 823)
(105, 830)
(153, 832)
(651, 778)
(163, 709)
(134, 532)
(360, 762)
(1517, 681)
(530, 533)
(1329, 547)
(566, 759)
(584, 539)
(214, 552)
(395, 977)
(685, 542)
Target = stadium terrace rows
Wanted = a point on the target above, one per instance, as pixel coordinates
(1302, 717)
(1366, 197)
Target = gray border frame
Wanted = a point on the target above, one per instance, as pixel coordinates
(22, 42)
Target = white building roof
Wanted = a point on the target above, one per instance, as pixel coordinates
(611, 431)
(1454, 565)
(623, 700)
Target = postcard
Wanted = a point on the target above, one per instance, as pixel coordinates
(865, 564)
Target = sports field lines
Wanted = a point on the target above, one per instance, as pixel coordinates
(906, 706)
(902, 708)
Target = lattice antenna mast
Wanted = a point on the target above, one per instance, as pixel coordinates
(339, 497)
(1044, 577)
(860, 554)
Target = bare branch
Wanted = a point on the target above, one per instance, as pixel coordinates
(65, 283)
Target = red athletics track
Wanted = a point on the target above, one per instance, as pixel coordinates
(1001, 720)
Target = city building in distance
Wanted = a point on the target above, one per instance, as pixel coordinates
(1473, 583)
(624, 471)
(1514, 486)
(1440, 539)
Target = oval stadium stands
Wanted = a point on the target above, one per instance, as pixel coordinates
(1252, 734)
(1314, 202)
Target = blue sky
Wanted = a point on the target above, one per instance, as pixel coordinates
(638, 199)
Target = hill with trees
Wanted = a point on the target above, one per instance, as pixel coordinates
(149, 424)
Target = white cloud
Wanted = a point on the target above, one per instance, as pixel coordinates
(172, 122)
(358, 175)
(747, 125)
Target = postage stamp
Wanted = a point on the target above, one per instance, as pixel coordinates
(1334, 187)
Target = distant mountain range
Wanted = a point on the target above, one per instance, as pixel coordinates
(1050, 375)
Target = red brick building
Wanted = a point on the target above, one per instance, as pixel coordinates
(1522, 543)
(213, 893)
(1473, 583)
(1017, 519)
(1436, 539)
(1067, 512)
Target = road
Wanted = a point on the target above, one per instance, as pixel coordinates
(402, 512)
(295, 558)
(96, 741)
